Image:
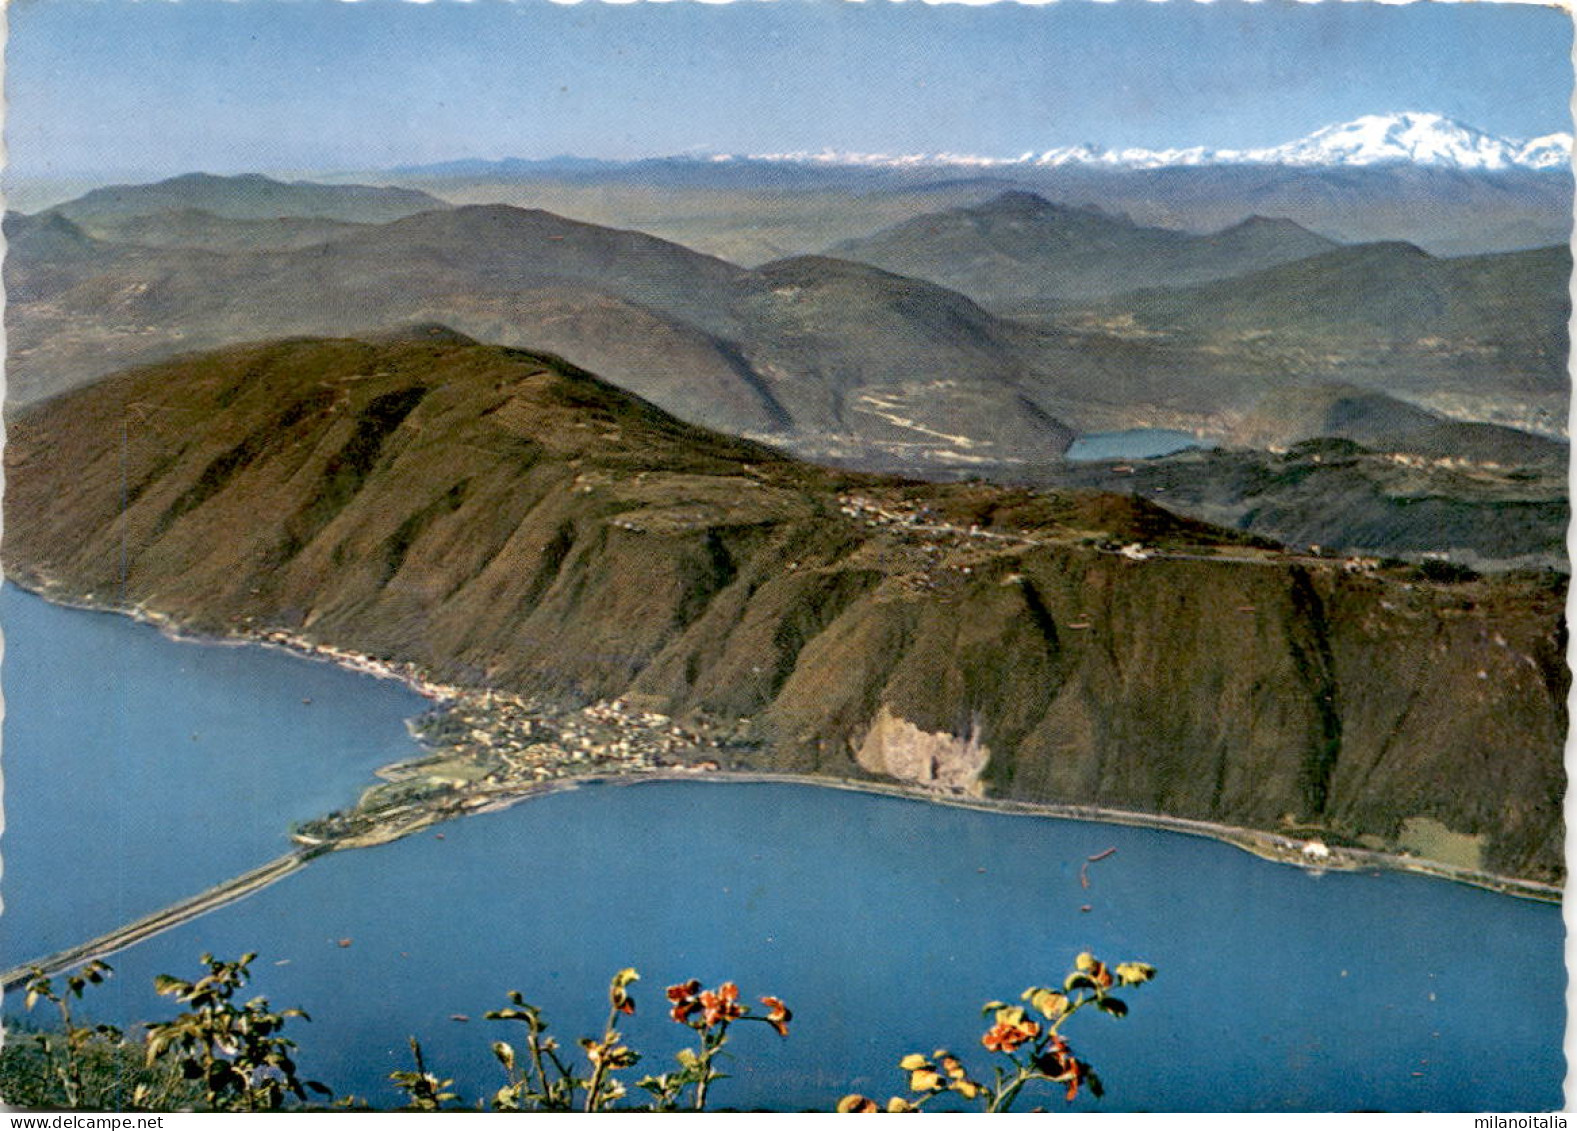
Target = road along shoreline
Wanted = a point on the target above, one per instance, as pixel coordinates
(405, 819)
(1269, 846)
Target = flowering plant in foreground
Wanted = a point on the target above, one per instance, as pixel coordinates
(542, 1081)
(221, 1055)
(1032, 1047)
(709, 1013)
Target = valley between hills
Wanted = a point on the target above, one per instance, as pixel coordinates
(813, 515)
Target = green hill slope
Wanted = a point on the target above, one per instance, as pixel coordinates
(503, 519)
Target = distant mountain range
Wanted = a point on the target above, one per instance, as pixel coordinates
(889, 364)
(1424, 178)
(1407, 137)
(1374, 139)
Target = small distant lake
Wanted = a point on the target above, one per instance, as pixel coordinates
(1135, 443)
(884, 922)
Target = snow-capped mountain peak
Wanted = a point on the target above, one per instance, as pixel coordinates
(1376, 139)
(1415, 138)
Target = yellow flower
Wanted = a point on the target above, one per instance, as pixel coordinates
(912, 1061)
(617, 994)
(1050, 1003)
(857, 1104)
(898, 1103)
(924, 1080)
(1134, 973)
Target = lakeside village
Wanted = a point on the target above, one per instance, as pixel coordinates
(487, 749)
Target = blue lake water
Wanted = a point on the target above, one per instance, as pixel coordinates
(884, 923)
(1134, 443)
(138, 770)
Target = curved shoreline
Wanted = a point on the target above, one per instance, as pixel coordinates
(1268, 846)
(1272, 846)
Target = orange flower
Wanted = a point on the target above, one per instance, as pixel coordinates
(687, 990)
(721, 1005)
(780, 1015)
(1059, 1063)
(1011, 1030)
(685, 1002)
(1088, 964)
(857, 1103)
(1005, 1038)
(1077, 1070)
(1055, 1060)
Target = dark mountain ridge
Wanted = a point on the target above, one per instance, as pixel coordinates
(1019, 247)
(195, 228)
(787, 351)
(1506, 312)
(503, 519)
(840, 362)
(248, 196)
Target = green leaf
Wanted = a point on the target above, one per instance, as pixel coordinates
(1114, 1006)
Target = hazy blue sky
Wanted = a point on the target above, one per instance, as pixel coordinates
(159, 87)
